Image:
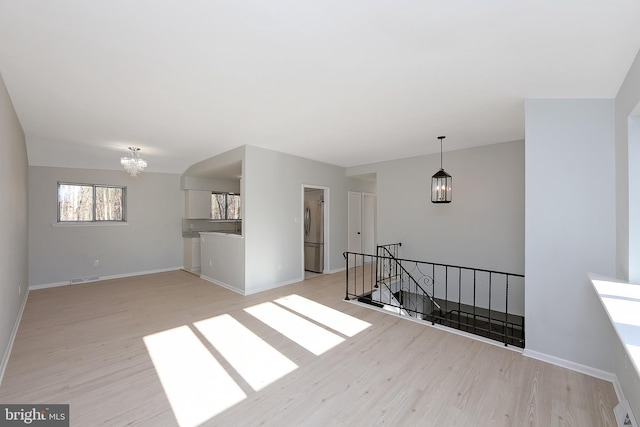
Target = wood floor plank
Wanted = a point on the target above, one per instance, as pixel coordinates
(85, 345)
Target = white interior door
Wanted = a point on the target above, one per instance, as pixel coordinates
(369, 206)
(362, 225)
(354, 226)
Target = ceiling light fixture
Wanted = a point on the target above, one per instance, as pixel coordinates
(133, 164)
(441, 183)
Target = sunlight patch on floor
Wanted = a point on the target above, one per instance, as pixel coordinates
(196, 385)
(334, 319)
(303, 332)
(255, 360)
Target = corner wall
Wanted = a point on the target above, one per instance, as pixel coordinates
(627, 148)
(13, 222)
(570, 228)
(628, 175)
(272, 221)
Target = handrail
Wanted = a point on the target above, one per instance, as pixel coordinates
(411, 277)
(453, 300)
(344, 254)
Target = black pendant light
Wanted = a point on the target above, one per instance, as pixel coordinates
(441, 183)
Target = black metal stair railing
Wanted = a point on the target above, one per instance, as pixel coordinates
(391, 251)
(483, 302)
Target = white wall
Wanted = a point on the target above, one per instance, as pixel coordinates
(627, 148)
(570, 227)
(482, 227)
(13, 221)
(633, 235)
(209, 184)
(273, 204)
(152, 240)
(628, 176)
(223, 260)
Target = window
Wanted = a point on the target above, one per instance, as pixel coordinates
(225, 206)
(90, 203)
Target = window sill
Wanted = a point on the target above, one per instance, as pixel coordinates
(621, 301)
(89, 224)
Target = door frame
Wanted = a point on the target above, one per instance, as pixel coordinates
(325, 225)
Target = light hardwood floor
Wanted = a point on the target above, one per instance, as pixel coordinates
(96, 347)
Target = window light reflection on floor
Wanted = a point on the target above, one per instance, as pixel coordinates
(196, 385)
(334, 319)
(305, 333)
(255, 360)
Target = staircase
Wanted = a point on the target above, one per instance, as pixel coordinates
(482, 302)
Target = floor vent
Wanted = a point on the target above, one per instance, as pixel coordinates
(84, 279)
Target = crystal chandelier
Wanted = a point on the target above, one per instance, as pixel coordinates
(133, 164)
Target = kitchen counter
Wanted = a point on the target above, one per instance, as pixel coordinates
(193, 227)
(221, 233)
(191, 234)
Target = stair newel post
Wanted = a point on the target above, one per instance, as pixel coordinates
(346, 258)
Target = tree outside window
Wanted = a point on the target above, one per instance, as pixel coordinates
(225, 206)
(90, 203)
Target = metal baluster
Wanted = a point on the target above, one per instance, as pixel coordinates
(459, 298)
(474, 300)
(490, 304)
(433, 308)
(446, 291)
(506, 309)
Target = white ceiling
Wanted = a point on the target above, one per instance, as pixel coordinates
(342, 82)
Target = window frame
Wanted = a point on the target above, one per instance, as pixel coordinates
(94, 221)
(226, 206)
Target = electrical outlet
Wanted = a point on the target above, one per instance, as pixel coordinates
(96, 263)
(279, 267)
(19, 290)
(210, 263)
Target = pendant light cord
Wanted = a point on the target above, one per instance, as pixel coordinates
(441, 138)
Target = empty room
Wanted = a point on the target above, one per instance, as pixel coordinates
(319, 213)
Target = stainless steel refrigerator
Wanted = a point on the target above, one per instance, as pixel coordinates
(313, 236)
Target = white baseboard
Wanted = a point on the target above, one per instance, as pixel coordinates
(110, 277)
(139, 273)
(252, 291)
(273, 286)
(49, 285)
(617, 387)
(222, 284)
(12, 337)
(337, 270)
(583, 369)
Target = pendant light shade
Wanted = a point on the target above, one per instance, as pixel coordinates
(441, 183)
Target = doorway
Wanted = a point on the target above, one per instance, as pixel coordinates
(315, 225)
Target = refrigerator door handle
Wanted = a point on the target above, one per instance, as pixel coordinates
(307, 221)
